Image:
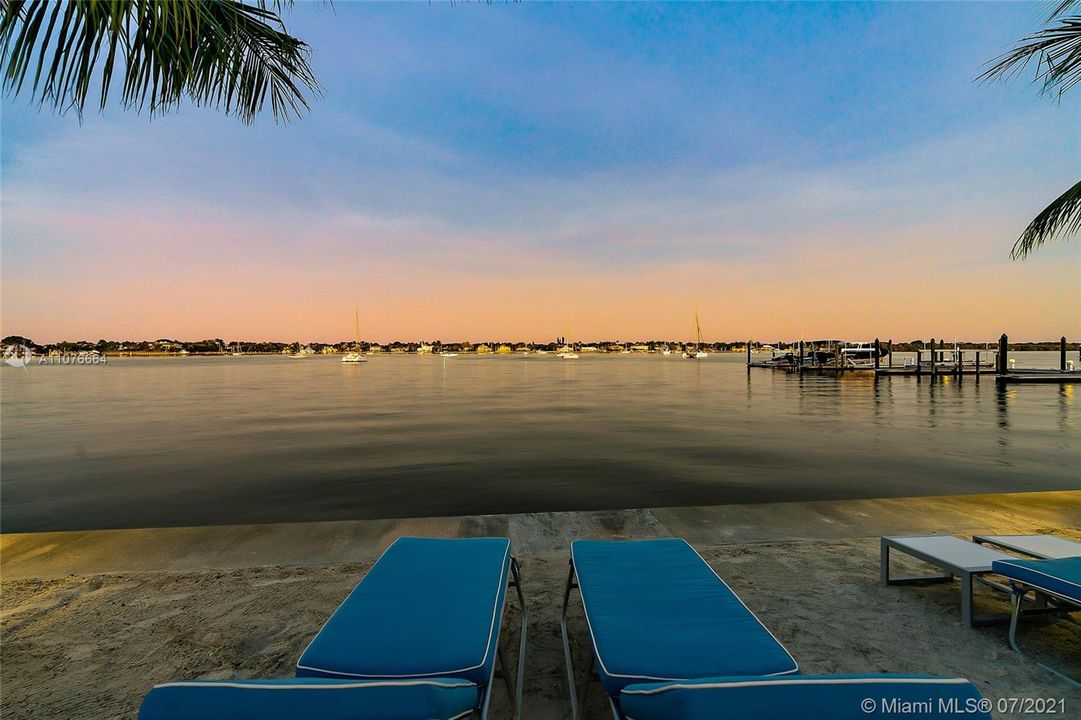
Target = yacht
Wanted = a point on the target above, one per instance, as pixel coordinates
(355, 356)
(861, 355)
(697, 353)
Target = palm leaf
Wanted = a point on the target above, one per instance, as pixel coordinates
(223, 53)
(1061, 216)
(1055, 51)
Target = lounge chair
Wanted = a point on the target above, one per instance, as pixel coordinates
(1057, 581)
(807, 697)
(671, 640)
(1037, 546)
(293, 698)
(421, 630)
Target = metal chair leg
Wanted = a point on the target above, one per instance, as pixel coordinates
(567, 644)
(583, 708)
(1017, 601)
(517, 695)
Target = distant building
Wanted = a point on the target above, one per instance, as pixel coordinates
(483, 349)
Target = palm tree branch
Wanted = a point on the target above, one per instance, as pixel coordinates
(1055, 52)
(225, 53)
(1061, 217)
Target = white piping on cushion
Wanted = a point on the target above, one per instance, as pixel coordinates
(600, 660)
(487, 648)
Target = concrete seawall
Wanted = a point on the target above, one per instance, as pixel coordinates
(55, 554)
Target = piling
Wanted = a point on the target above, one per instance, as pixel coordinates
(891, 352)
(934, 361)
(1003, 347)
(919, 362)
(799, 359)
(977, 366)
(878, 352)
(1062, 354)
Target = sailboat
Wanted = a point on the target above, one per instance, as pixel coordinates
(697, 354)
(355, 356)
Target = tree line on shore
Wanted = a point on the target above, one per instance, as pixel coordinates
(218, 346)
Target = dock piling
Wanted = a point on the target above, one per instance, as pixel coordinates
(878, 353)
(1003, 349)
(1062, 354)
(934, 361)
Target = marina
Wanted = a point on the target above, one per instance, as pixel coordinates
(939, 361)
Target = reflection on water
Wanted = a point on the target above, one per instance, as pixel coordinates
(182, 441)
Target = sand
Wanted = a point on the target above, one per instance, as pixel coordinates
(89, 646)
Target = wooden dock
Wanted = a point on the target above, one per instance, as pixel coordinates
(1040, 376)
(1067, 371)
(940, 362)
(940, 369)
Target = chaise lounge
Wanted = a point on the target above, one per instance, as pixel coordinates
(669, 639)
(1057, 580)
(417, 638)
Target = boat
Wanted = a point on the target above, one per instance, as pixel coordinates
(302, 352)
(569, 356)
(355, 356)
(861, 355)
(448, 354)
(666, 350)
(237, 351)
(697, 354)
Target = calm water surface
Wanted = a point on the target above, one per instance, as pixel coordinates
(192, 441)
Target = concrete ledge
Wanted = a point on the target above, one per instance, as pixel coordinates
(234, 546)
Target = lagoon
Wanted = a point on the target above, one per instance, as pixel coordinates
(152, 442)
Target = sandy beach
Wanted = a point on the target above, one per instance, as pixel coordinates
(89, 645)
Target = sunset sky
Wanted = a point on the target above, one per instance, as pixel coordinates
(592, 170)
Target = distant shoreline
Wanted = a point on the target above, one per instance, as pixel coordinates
(217, 347)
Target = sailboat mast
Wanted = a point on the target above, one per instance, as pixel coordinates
(356, 326)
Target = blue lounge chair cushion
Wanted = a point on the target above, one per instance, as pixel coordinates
(295, 698)
(657, 612)
(1061, 576)
(429, 607)
(807, 697)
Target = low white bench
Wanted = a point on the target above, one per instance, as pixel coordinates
(1044, 547)
(955, 557)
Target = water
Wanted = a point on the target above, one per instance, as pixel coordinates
(191, 441)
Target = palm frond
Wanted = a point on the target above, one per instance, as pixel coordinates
(1061, 217)
(223, 53)
(1055, 51)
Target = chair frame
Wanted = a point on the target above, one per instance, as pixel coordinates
(1056, 603)
(514, 689)
(578, 704)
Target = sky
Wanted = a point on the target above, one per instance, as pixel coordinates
(592, 170)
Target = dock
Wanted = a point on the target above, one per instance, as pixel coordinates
(933, 362)
(1067, 371)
